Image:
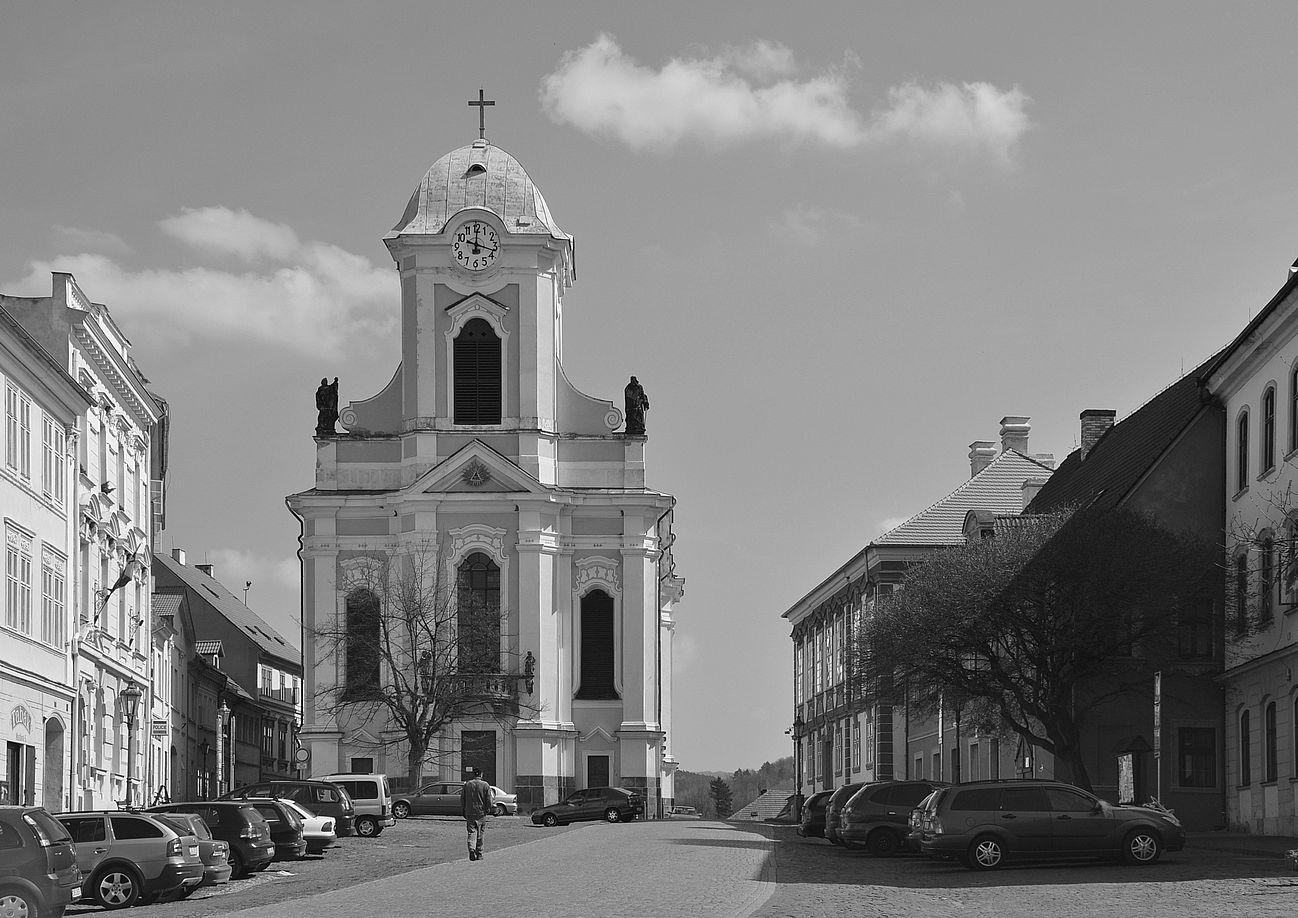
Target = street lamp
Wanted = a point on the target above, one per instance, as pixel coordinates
(130, 698)
(224, 714)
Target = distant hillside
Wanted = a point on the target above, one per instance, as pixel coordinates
(745, 784)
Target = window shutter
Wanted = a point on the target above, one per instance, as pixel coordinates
(477, 374)
(597, 646)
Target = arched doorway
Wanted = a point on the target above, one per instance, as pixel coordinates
(53, 791)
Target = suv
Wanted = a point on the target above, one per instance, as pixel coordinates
(835, 807)
(323, 798)
(612, 804)
(876, 816)
(38, 867)
(131, 857)
(372, 797)
(236, 823)
(813, 815)
(983, 824)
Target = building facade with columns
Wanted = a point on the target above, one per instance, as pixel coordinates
(481, 447)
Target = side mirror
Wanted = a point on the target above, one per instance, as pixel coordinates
(1097, 809)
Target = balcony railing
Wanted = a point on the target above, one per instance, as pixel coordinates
(286, 695)
(486, 686)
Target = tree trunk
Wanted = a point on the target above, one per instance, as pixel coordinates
(416, 749)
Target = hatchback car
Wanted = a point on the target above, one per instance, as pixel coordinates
(38, 867)
(214, 853)
(612, 804)
(285, 827)
(323, 798)
(238, 824)
(131, 857)
(985, 824)
(877, 816)
(813, 815)
(835, 807)
(443, 799)
(317, 831)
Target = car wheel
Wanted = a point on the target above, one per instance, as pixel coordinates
(612, 815)
(367, 827)
(115, 887)
(986, 853)
(1142, 847)
(238, 869)
(401, 809)
(549, 820)
(18, 903)
(499, 809)
(883, 843)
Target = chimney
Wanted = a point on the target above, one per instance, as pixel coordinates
(205, 568)
(981, 454)
(178, 555)
(1014, 434)
(1095, 421)
(1031, 488)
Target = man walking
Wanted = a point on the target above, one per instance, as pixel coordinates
(475, 804)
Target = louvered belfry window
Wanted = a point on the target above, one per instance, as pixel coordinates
(597, 646)
(477, 374)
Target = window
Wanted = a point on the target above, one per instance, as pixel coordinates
(1293, 408)
(838, 749)
(18, 581)
(1269, 743)
(476, 355)
(1194, 633)
(1241, 452)
(1023, 799)
(1064, 800)
(856, 747)
(18, 433)
(132, 827)
(797, 676)
(53, 598)
(1266, 578)
(1197, 756)
(973, 762)
(1293, 733)
(598, 647)
(478, 614)
(361, 661)
(1245, 752)
(1268, 430)
(919, 767)
(936, 773)
(53, 441)
(1241, 592)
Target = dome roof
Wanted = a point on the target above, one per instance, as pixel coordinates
(478, 175)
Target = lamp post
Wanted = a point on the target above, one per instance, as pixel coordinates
(796, 732)
(224, 714)
(130, 698)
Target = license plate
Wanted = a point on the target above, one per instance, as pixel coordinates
(76, 892)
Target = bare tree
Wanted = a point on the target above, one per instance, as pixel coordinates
(1016, 624)
(419, 645)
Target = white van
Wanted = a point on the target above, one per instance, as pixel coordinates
(372, 797)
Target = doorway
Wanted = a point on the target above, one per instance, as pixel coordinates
(53, 791)
(598, 770)
(478, 751)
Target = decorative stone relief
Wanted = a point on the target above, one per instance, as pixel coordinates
(475, 474)
(597, 570)
(478, 536)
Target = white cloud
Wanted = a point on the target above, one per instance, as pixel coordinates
(221, 230)
(91, 240)
(310, 297)
(891, 522)
(233, 567)
(808, 226)
(751, 93)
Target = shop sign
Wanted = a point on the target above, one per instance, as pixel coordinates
(20, 717)
(161, 727)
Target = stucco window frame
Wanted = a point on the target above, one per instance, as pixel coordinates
(596, 572)
(352, 575)
(490, 541)
(1242, 433)
(1266, 458)
(477, 306)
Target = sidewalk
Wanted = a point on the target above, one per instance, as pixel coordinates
(1243, 843)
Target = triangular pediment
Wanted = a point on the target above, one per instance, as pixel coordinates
(476, 469)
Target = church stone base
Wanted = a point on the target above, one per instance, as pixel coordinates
(536, 791)
(649, 791)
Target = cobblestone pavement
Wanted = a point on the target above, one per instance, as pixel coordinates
(815, 878)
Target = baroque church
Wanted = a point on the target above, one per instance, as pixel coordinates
(533, 495)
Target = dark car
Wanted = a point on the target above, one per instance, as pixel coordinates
(612, 804)
(813, 815)
(877, 816)
(214, 853)
(238, 824)
(285, 827)
(985, 824)
(39, 876)
(131, 857)
(835, 807)
(324, 798)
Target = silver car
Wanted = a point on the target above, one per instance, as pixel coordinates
(131, 857)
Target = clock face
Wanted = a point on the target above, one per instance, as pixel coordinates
(475, 245)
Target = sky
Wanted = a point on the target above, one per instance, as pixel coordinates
(836, 243)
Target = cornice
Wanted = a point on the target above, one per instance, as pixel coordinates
(122, 379)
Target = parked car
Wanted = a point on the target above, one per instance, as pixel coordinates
(372, 797)
(214, 853)
(323, 798)
(877, 816)
(131, 857)
(813, 815)
(985, 824)
(239, 825)
(443, 799)
(285, 827)
(685, 812)
(612, 804)
(837, 801)
(318, 831)
(39, 876)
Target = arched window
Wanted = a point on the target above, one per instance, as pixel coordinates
(598, 650)
(361, 662)
(1241, 592)
(478, 614)
(1266, 577)
(1268, 429)
(1241, 452)
(477, 374)
(1293, 408)
(1269, 743)
(1245, 751)
(1293, 732)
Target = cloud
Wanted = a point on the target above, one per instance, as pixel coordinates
(234, 566)
(308, 297)
(748, 93)
(91, 240)
(807, 226)
(891, 523)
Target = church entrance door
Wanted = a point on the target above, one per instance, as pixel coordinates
(478, 751)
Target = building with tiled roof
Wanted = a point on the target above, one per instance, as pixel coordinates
(837, 738)
(773, 804)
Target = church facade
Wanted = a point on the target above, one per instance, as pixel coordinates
(531, 496)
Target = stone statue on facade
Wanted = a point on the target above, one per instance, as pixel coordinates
(326, 403)
(637, 403)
